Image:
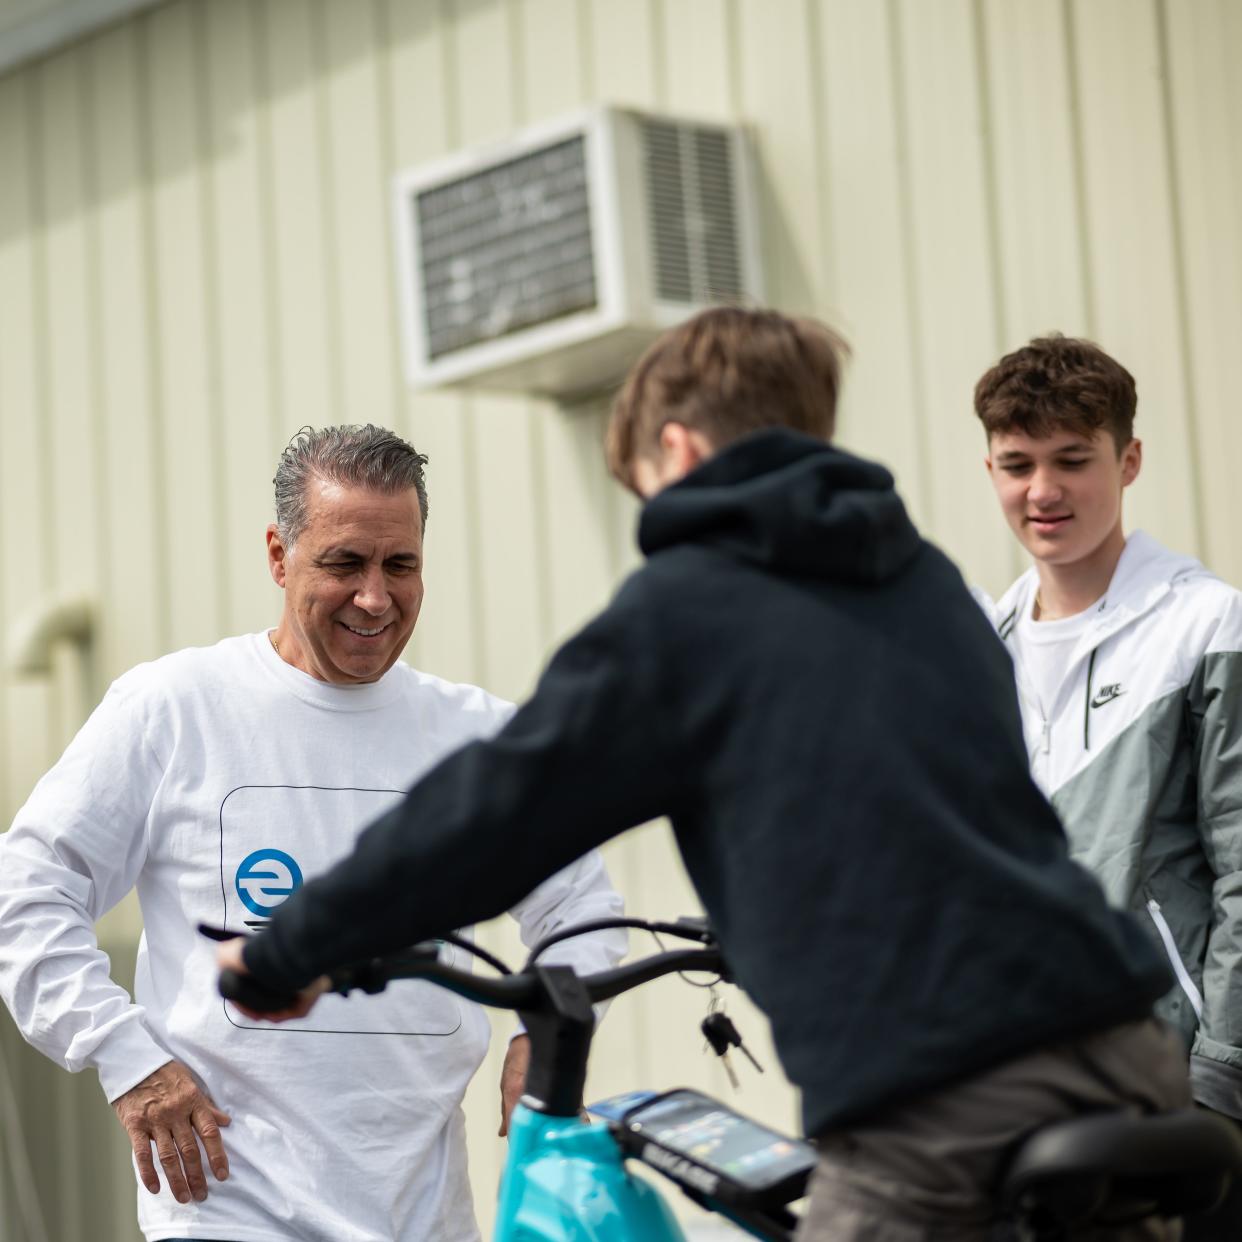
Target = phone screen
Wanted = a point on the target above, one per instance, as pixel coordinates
(719, 1139)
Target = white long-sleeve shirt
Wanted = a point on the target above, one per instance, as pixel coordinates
(216, 780)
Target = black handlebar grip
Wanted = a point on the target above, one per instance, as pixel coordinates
(247, 990)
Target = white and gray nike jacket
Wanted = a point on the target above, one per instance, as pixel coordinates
(1141, 755)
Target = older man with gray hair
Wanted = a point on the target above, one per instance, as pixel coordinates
(214, 781)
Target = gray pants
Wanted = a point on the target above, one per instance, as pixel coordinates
(924, 1171)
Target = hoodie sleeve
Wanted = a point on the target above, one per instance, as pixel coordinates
(74, 850)
(580, 893)
(1214, 713)
(581, 761)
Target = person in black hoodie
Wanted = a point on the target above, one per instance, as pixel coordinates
(805, 687)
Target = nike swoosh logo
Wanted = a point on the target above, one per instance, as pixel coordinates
(1106, 696)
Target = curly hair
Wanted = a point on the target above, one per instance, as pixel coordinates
(1058, 383)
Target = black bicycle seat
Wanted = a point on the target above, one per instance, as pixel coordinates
(1110, 1168)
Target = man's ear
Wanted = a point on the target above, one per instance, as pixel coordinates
(276, 556)
(987, 461)
(1131, 462)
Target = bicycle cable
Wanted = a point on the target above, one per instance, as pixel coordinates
(685, 930)
(482, 954)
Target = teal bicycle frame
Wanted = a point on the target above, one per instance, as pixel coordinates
(565, 1181)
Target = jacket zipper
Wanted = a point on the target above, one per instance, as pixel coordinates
(1086, 703)
(1175, 958)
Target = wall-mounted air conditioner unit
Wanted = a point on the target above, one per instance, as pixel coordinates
(547, 262)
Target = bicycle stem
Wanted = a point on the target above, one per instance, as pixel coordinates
(560, 1032)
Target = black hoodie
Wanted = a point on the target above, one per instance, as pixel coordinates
(805, 687)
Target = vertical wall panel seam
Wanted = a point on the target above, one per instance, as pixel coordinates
(7, 801)
(470, 456)
(909, 247)
(6, 806)
(70, 1167)
(985, 90)
(733, 54)
(614, 499)
(17, 1180)
(448, 64)
(478, 584)
(331, 251)
(40, 311)
(614, 502)
(519, 94)
(534, 410)
(96, 305)
(586, 51)
(388, 155)
(270, 234)
(212, 308)
(1184, 333)
(819, 128)
(1081, 205)
(1231, 31)
(991, 187)
(542, 518)
(659, 52)
(154, 352)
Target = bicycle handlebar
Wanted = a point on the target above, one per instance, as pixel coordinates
(517, 991)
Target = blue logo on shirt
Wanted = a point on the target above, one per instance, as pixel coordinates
(265, 879)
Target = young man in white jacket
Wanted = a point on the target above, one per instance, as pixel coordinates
(215, 781)
(1129, 672)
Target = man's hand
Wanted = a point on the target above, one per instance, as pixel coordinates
(229, 957)
(513, 1078)
(170, 1110)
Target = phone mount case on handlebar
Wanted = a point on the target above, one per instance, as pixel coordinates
(712, 1152)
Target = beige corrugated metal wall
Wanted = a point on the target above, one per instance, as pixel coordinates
(195, 259)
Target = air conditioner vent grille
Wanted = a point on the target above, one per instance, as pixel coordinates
(545, 262)
(506, 248)
(691, 212)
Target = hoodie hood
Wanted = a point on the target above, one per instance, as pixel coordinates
(790, 503)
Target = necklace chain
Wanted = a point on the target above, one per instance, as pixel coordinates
(1039, 607)
(1041, 613)
(1039, 610)
(271, 635)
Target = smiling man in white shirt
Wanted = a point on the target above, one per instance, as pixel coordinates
(215, 781)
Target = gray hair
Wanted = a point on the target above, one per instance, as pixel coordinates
(350, 456)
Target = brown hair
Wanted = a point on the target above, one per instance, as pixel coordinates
(727, 372)
(1058, 383)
